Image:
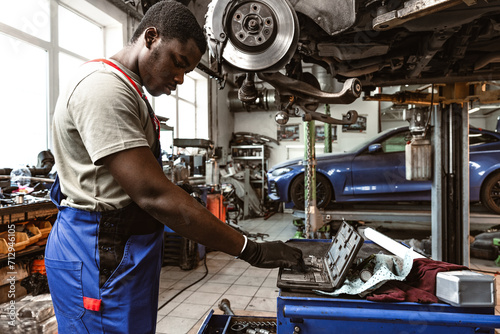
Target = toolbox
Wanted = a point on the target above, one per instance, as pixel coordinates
(234, 324)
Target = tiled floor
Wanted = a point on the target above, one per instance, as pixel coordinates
(250, 290)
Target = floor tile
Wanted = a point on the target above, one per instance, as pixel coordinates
(242, 290)
(237, 302)
(175, 325)
(188, 310)
(175, 275)
(193, 283)
(167, 308)
(213, 287)
(227, 279)
(249, 280)
(233, 271)
(270, 281)
(237, 263)
(203, 298)
(267, 293)
(166, 283)
(217, 263)
(256, 272)
(173, 295)
(262, 304)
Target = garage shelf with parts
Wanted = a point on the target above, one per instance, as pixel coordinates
(253, 161)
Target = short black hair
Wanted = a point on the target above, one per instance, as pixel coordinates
(172, 20)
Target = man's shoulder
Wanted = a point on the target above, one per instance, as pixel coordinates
(99, 81)
(99, 74)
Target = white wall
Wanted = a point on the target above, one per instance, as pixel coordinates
(491, 120)
(222, 120)
(478, 122)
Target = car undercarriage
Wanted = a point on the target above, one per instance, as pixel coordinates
(380, 43)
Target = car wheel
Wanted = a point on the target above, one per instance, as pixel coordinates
(490, 193)
(323, 192)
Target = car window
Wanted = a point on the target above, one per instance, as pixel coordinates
(364, 143)
(481, 138)
(396, 143)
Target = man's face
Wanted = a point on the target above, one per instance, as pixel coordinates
(166, 63)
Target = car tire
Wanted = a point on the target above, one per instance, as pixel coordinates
(323, 192)
(490, 193)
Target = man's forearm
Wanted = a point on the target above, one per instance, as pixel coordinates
(190, 219)
(138, 173)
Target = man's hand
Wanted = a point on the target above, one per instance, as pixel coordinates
(272, 254)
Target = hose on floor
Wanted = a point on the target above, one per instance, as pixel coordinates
(190, 285)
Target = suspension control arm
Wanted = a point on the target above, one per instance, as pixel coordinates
(288, 86)
(352, 117)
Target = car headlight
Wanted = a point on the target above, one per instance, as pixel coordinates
(281, 171)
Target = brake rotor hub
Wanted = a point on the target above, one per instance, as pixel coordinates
(252, 36)
(252, 26)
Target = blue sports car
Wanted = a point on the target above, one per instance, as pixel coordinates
(375, 171)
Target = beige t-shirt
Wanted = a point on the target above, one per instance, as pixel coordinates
(99, 114)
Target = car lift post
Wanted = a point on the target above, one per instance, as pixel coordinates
(310, 175)
(450, 212)
(328, 132)
(313, 217)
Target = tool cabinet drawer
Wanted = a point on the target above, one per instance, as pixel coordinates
(307, 314)
(234, 324)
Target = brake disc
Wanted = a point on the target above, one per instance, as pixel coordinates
(258, 35)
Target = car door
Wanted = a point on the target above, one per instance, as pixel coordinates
(380, 175)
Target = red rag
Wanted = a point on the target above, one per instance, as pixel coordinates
(419, 286)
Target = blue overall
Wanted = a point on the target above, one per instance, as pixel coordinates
(103, 268)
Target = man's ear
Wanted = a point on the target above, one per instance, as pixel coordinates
(150, 35)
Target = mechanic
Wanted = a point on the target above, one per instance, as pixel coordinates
(103, 255)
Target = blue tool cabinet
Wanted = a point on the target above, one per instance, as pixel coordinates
(310, 314)
(316, 314)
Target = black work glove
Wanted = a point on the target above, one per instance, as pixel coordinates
(273, 254)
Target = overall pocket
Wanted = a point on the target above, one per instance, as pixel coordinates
(65, 283)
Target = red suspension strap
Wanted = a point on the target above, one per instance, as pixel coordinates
(154, 119)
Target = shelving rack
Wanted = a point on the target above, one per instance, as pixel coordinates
(246, 154)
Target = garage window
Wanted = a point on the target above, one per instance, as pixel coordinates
(24, 120)
(42, 42)
(186, 110)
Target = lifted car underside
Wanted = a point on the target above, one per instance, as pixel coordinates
(381, 43)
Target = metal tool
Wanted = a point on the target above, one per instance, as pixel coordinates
(225, 306)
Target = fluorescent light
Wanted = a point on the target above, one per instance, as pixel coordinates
(491, 106)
